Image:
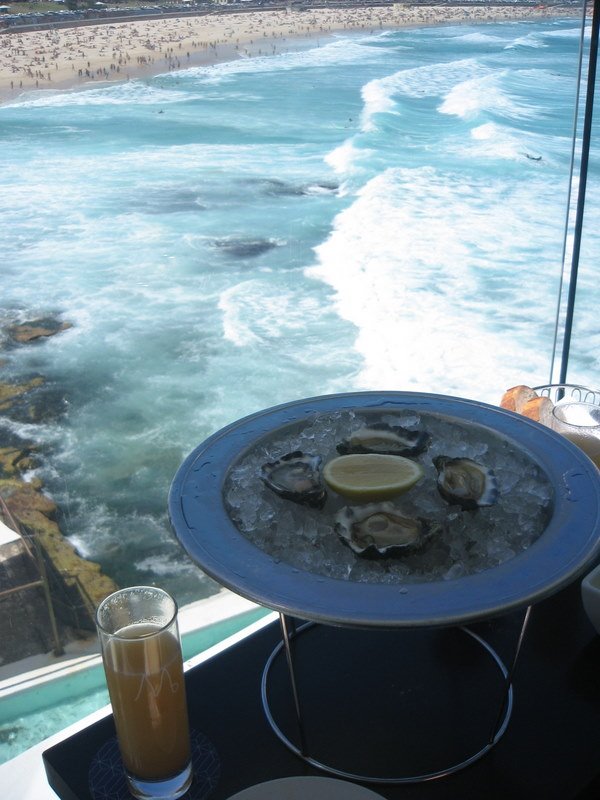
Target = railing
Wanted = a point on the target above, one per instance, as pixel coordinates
(38, 559)
(72, 602)
(65, 595)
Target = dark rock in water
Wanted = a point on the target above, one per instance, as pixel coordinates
(16, 456)
(277, 188)
(26, 332)
(281, 189)
(47, 404)
(245, 248)
(323, 186)
(533, 158)
(32, 401)
(12, 393)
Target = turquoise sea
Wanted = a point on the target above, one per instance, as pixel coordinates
(373, 211)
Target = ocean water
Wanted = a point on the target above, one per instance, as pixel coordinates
(372, 211)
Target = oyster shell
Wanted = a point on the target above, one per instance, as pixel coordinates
(466, 482)
(295, 476)
(382, 529)
(393, 440)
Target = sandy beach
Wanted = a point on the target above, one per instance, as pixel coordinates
(120, 51)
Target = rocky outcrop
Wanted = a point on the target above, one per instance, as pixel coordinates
(25, 332)
(80, 583)
(36, 513)
(11, 394)
(31, 398)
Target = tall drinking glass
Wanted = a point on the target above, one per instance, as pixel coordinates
(141, 651)
(579, 422)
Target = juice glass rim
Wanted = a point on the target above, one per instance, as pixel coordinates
(560, 407)
(127, 590)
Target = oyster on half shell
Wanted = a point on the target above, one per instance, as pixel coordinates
(381, 529)
(466, 482)
(392, 440)
(296, 477)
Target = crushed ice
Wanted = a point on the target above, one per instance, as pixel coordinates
(473, 541)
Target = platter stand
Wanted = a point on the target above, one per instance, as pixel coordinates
(290, 632)
(569, 544)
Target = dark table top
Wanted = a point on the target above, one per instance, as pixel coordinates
(398, 702)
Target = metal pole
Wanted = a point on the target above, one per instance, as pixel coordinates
(510, 675)
(290, 663)
(569, 192)
(58, 648)
(585, 152)
(22, 587)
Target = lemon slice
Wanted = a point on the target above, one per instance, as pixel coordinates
(370, 476)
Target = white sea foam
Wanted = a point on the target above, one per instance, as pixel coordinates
(261, 311)
(345, 158)
(533, 40)
(469, 98)
(414, 289)
(478, 38)
(335, 52)
(567, 33)
(378, 100)
(430, 80)
(492, 140)
(165, 567)
(233, 304)
(112, 94)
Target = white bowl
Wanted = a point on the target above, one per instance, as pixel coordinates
(590, 594)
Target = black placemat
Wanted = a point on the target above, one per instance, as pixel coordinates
(107, 776)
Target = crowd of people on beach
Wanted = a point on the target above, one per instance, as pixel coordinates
(64, 57)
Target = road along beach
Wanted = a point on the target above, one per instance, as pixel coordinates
(63, 58)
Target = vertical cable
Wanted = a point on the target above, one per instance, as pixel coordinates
(569, 190)
(585, 152)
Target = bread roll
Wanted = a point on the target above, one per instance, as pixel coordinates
(515, 399)
(539, 409)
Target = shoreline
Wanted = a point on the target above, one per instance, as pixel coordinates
(89, 55)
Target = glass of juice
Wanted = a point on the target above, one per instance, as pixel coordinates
(141, 651)
(579, 422)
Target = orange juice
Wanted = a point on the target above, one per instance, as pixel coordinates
(144, 673)
(589, 444)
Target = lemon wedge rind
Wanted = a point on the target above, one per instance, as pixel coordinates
(371, 476)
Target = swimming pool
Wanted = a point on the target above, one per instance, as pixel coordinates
(34, 714)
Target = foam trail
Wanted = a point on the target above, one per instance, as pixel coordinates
(415, 291)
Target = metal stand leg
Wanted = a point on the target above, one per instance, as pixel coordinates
(283, 620)
(509, 676)
(498, 730)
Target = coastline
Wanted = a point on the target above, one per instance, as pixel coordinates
(90, 55)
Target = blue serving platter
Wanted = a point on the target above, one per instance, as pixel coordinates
(567, 547)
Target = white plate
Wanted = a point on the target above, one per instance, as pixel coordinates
(299, 788)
